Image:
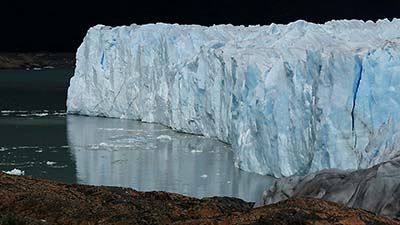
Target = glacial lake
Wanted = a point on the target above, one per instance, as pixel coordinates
(37, 136)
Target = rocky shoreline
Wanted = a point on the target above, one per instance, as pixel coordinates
(26, 200)
(36, 60)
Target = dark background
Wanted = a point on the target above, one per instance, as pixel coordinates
(60, 25)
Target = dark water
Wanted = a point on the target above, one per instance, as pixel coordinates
(36, 136)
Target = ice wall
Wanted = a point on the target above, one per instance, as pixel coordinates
(291, 99)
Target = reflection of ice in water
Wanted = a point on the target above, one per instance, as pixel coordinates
(129, 153)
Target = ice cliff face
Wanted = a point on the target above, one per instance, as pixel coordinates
(291, 99)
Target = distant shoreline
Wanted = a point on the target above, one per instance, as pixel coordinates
(36, 61)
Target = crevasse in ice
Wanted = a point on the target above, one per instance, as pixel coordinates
(291, 99)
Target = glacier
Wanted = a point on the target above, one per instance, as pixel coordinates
(290, 99)
(375, 189)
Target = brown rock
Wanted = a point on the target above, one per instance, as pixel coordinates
(32, 201)
(310, 211)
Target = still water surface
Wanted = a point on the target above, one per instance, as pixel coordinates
(38, 137)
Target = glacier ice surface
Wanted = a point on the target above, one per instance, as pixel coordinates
(374, 189)
(290, 99)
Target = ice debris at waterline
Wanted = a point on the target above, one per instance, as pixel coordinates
(291, 99)
(15, 171)
(376, 189)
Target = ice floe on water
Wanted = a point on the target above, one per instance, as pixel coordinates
(50, 163)
(5, 111)
(40, 114)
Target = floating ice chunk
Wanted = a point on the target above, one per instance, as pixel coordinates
(50, 163)
(164, 137)
(40, 114)
(103, 144)
(204, 176)
(94, 146)
(15, 171)
(196, 151)
(27, 147)
(59, 113)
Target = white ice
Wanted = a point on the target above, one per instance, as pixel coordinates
(291, 99)
(15, 171)
(50, 163)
